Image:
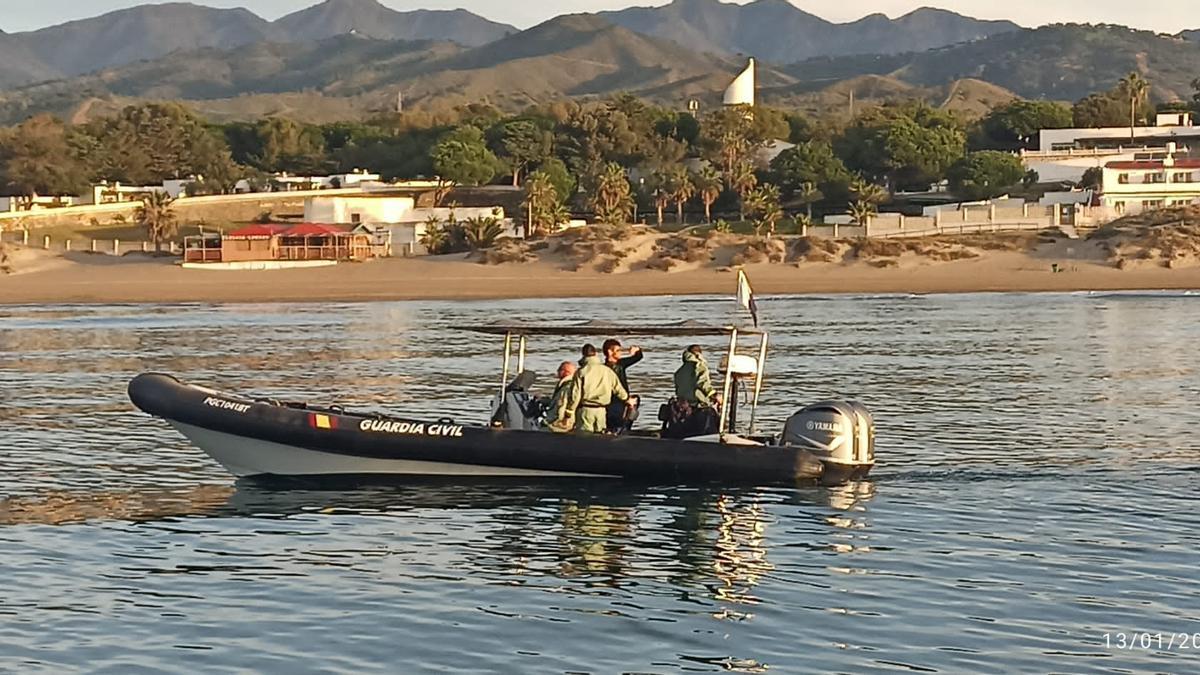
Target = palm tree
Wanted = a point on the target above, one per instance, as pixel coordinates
(763, 204)
(682, 190)
(808, 194)
(708, 184)
(742, 180)
(660, 188)
(542, 204)
(482, 231)
(612, 199)
(435, 237)
(804, 221)
(156, 215)
(862, 210)
(867, 191)
(1135, 87)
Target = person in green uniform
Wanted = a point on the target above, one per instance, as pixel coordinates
(693, 383)
(557, 419)
(620, 416)
(693, 412)
(594, 387)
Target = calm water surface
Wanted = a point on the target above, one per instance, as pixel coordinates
(1035, 492)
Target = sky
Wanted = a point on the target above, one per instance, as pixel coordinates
(1169, 16)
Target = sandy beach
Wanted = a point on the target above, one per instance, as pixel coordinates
(47, 278)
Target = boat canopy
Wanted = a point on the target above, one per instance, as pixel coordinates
(606, 328)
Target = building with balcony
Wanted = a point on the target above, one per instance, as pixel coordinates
(1144, 185)
(1175, 128)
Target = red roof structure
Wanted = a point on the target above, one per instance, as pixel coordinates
(256, 232)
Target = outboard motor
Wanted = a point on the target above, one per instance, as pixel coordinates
(520, 409)
(840, 433)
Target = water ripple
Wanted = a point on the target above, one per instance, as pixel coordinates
(1034, 495)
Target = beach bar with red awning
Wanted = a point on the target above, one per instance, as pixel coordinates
(313, 241)
(275, 242)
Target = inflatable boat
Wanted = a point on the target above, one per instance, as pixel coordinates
(831, 442)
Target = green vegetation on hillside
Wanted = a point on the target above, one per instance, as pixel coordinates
(611, 158)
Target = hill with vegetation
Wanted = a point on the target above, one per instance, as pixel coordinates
(153, 31)
(778, 31)
(571, 56)
(774, 30)
(1060, 62)
(371, 19)
(351, 76)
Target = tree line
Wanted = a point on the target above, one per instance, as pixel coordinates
(610, 158)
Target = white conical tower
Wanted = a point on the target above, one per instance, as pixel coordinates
(741, 92)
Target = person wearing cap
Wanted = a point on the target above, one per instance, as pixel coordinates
(621, 416)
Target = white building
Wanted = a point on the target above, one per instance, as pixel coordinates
(1056, 166)
(370, 209)
(1069, 197)
(397, 215)
(112, 193)
(285, 182)
(35, 203)
(1004, 202)
(1135, 186)
(1169, 127)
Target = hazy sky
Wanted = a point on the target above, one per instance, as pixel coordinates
(1162, 15)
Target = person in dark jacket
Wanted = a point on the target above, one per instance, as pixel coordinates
(621, 416)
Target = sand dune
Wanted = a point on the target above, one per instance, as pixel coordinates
(579, 267)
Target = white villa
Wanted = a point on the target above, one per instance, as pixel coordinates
(1168, 127)
(1141, 185)
(1065, 154)
(395, 215)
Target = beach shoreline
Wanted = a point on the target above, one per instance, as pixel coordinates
(105, 280)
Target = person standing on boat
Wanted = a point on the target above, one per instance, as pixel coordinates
(594, 387)
(557, 419)
(621, 417)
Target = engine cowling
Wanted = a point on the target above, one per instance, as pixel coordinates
(840, 432)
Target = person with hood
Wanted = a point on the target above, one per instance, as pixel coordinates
(594, 387)
(693, 410)
(693, 383)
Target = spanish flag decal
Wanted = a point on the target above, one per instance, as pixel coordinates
(318, 421)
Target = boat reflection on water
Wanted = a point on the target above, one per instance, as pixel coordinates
(609, 534)
(712, 540)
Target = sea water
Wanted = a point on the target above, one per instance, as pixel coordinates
(1033, 509)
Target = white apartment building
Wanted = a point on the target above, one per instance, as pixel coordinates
(1175, 128)
(1135, 186)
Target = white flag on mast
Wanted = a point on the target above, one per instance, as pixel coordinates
(745, 296)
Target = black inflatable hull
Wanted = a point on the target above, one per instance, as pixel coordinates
(266, 438)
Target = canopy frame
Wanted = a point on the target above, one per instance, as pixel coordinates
(519, 335)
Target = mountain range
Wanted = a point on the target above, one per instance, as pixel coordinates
(780, 32)
(152, 31)
(775, 30)
(347, 58)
